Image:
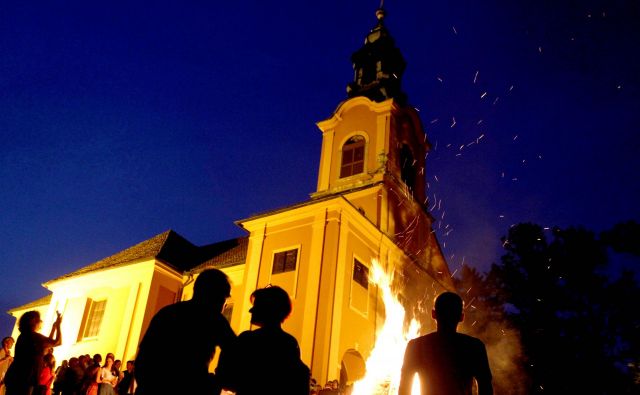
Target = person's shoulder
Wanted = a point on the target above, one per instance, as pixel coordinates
(38, 337)
(246, 335)
(424, 338)
(289, 337)
(469, 340)
(175, 313)
(173, 308)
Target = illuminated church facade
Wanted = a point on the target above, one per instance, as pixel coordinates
(370, 203)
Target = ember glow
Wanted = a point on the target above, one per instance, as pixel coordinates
(383, 365)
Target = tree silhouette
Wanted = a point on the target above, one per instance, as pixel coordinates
(578, 325)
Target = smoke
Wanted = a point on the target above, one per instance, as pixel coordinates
(505, 358)
(487, 321)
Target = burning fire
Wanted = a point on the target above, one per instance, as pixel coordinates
(384, 362)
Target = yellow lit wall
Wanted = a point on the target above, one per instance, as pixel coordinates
(133, 294)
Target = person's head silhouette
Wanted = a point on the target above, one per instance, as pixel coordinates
(212, 288)
(29, 322)
(271, 306)
(447, 311)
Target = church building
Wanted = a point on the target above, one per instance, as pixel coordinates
(370, 203)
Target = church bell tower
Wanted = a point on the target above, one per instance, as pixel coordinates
(369, 205)
(374, 149)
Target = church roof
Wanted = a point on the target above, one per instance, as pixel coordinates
(45, 300)
(168, 247)
(224, 254)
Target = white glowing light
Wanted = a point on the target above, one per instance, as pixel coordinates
(383, 365)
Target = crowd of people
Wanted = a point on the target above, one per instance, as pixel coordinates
(33, 371)
(267, 354)
(85, 375)
(332, 387)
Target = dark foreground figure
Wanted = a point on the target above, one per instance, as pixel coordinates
(266, 359)
(174, 355)
(447, 362)
(31, 347)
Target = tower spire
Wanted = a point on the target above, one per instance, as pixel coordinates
(378, 65)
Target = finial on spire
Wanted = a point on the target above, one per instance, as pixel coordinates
(378, 65)
(380, 11)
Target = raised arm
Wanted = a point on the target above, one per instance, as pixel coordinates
(55, 337)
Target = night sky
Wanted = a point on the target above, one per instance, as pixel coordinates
(121, 120)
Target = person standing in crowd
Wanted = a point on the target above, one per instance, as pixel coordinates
(126, 384)
(60, 373)
(91, 373)
(5, 360)
(31, 347)
(105, 378)
(199, 326)
(267, 354)
(72, 380)
(447, 362)
(46, 376)
(116, 370)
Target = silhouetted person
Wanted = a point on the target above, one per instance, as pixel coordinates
(447, 362)
(59, 377)
(125, 386)
(90, 385)
(185, 335)
(72, 380)
(267, 354)
(5, 360)
(31, 347)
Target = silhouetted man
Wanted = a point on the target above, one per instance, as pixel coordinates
(174, 355)
(446, 362)
(268, 354)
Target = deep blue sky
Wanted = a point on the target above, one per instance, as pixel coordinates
(119, 121)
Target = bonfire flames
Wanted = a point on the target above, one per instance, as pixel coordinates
(383, 365)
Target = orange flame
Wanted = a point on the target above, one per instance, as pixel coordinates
(383, 365)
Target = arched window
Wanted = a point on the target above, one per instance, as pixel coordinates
(352, 157)
(407, 167)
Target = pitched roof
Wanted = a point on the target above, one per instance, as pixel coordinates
(168, 246)
(224, 254)
(45, 300)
